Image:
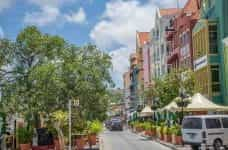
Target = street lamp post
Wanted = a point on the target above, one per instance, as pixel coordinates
(182, 96)
(75, 103)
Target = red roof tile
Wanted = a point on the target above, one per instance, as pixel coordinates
(169, 11)
(192, 7)
(143, 37)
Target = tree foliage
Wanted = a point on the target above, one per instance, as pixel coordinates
(168, 88)
(40, 73)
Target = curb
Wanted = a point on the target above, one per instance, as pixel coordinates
(171, 146)
(165, 144)
(101, 143)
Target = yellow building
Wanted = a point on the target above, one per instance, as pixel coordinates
(205, 52)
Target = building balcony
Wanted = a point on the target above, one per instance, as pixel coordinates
(173, 55)
(170, 31)
(169, 35)
(183, 21)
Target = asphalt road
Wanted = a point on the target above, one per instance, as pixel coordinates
(125, 140)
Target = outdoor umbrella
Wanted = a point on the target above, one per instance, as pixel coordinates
(200, 103)
(146, 112)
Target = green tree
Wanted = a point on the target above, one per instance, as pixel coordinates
(168, 87)
(45, 72)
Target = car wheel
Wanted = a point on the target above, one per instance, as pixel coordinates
(217, 144)
(195, 147)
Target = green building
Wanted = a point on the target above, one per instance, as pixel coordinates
(226, 66)
(210, 54)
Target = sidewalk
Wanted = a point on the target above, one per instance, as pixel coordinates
(172, 146)
(169, 145)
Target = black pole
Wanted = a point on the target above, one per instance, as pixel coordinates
(182, 110)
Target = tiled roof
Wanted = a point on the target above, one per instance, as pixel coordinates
(191, 6)
(143, 37)
(169, 11)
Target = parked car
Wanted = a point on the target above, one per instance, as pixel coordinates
(108, 124)
(211, 130)
(116, 124)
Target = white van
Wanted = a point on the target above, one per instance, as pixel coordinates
(210, 130)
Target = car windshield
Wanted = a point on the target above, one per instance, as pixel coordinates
(116, 121)
(192, 123)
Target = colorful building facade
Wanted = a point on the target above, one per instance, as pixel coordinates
(127, 101)
(159, 43)
(226, 65)
(146, 65)
(142, 38)
(209, 50)
(178, 35)
(134, 73)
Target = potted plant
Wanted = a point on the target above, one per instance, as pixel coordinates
(178, 135)
(80, 133)
(169, 135)
(24, 137)
(56, 141)
(153, 130)
(164, 131)
(94, 129)
(158, 131)
(147, 128)
(173, 134)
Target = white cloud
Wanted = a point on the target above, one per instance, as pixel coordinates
(1, 32)
(4, 4)
(50, 13)
(77, 17)
(46, 16)
(120, 21)
(118, 26)
(120, 61)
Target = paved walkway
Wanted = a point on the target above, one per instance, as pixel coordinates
(126, 140)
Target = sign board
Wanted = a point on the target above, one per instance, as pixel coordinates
(200, 63)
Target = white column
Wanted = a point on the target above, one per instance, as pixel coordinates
(69, 124)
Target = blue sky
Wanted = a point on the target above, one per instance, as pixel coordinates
(110, 24)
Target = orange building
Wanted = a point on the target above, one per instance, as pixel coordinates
(127, 80)
(142, 38)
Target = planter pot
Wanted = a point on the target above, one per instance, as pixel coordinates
(173, 139)
(92, 139)
(25, 146)
(138, 129)
(148, 132)
(80, 143)
(165, 137)
(40, 148)
(168, 138)
(57, 144)
(162, 137)
(178, 140)
(153, 133)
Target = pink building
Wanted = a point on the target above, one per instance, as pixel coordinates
(146, 65)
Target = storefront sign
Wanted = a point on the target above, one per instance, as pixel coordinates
(200, 63)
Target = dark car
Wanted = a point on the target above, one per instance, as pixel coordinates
(108, 124)
(116, 125)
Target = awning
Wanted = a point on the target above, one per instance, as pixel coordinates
(170, 107)
(146, 112)
(201, 103)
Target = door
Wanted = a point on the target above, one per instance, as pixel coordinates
(225, 129)
(214, 130)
